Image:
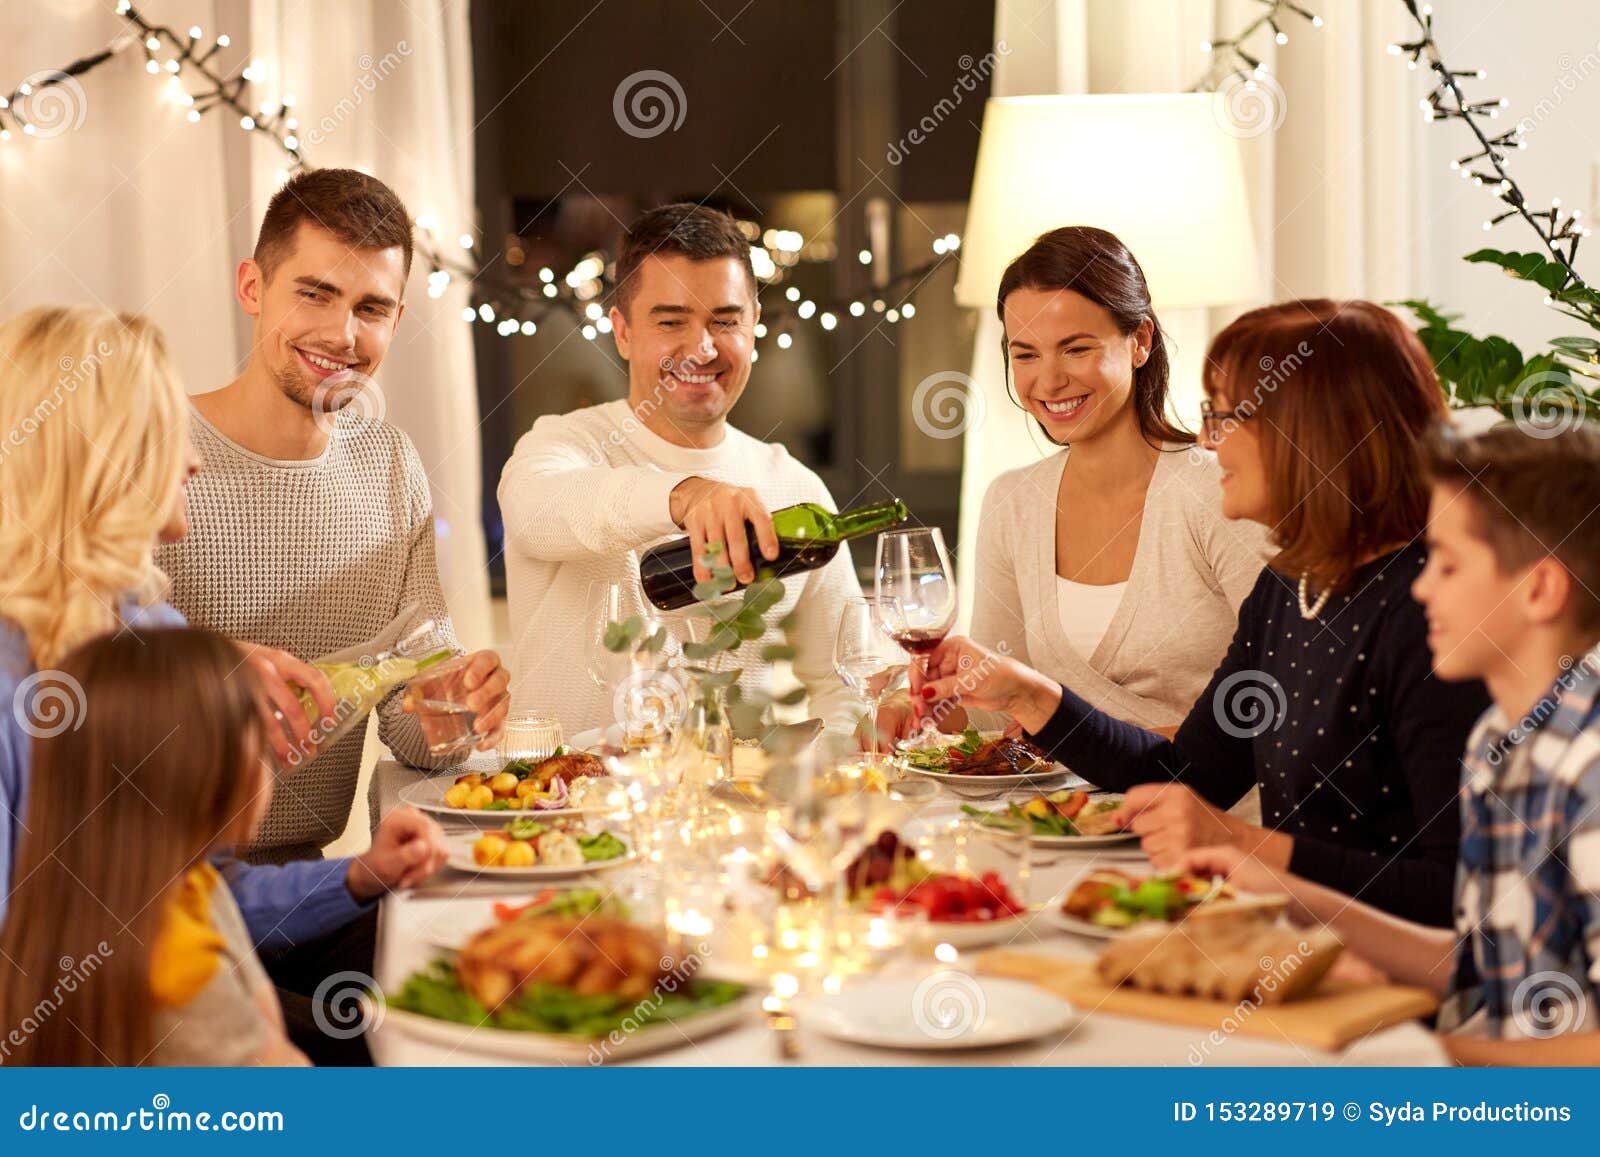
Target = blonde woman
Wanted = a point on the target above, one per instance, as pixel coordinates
(94, 454)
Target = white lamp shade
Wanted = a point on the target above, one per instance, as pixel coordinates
(1158, 171)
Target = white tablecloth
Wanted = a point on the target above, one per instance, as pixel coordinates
(1099, 1039)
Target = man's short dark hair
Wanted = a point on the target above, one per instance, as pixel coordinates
(359, 210)
(1532, 495)
(686, 230)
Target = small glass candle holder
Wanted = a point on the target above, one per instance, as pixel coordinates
(530, 735)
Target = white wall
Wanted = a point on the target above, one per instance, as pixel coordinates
(1545, 59)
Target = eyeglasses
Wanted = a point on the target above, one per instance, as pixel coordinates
(1217, 424)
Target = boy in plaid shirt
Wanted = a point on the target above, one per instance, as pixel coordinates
(1512, 594)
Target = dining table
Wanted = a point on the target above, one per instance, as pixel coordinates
(405, 944)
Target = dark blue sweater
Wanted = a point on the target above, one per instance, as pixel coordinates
(1355, 745)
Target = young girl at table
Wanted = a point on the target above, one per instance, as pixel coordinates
(1317, 411)
(1510, 596)
(124, 945)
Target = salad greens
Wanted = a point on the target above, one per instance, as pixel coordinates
(938, 758)
(436, 992)
(602, 846)
(577, 902)
(1049, 824)
(526, 828)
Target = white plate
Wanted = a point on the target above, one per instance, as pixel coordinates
(1108, 840)
(461, 859)
(428, 795)
(946, 1010)
(993, 786)
(964, 934)
(1059, 919)
(1077, 927)
(548, 1048)
(988, 786)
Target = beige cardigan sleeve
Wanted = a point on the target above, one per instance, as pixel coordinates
(996, 597)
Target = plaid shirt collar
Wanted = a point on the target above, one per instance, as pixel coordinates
(1561, 711)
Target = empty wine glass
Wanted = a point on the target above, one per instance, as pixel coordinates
(916, 595)
(628, 661)
(867, 659)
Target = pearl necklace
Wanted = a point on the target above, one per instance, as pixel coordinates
(1312, 610)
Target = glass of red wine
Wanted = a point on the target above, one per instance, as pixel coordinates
(916, 595)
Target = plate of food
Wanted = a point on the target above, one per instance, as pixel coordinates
(947, 1010)
(538, 848)
(566, 783)
(981, 765)
(964, 910)
(1106, 901)
(1065, 818)
(450, 926)
(563, 989)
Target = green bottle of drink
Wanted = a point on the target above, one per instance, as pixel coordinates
(808, 537)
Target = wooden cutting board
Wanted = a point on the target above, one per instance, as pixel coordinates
(1337, 1013)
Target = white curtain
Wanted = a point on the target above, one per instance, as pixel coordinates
(1336, 189)
(122, 201)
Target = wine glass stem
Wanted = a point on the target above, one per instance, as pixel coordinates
(877, 708)
(929, 727)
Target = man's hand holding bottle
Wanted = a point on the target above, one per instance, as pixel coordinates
(718, 512)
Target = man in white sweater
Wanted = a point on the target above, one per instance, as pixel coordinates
(585, 492)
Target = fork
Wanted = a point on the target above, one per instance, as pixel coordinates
(781, 1022)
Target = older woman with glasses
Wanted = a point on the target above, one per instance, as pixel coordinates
(1326, 698)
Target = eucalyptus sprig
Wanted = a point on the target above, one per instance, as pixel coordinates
(629, 635)
(731, 623)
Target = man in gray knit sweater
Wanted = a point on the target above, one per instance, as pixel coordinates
(311, 521)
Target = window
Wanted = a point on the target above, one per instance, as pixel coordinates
(788, 121)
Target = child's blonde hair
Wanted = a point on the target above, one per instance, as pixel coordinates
(93, 429)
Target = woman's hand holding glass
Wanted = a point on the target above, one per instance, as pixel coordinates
(962, 673)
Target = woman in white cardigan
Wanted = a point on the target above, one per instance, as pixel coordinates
(1108, 565)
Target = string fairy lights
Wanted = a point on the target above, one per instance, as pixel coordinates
(191, 69)
(1558, 231)
(1231, 58)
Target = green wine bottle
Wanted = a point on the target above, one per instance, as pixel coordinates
(808, 537)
